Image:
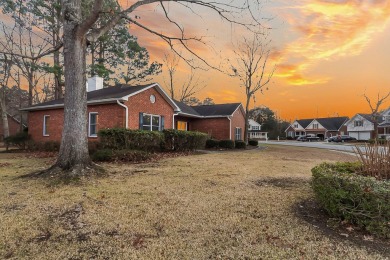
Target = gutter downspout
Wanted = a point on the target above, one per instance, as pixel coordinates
(173, 119)
(127, 112)
(230, 124)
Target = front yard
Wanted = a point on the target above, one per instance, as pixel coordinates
(233, 205)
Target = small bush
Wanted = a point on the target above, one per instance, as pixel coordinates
(253, 142)
(378, 141)
(104, 155)
(176, 140)
(363, 201)
(289, 138)
(239, 144)
(227, 144)
(108, 155)
(48, 146)
(19, 140)
(126, 139)
(212, 143)
(375, 160)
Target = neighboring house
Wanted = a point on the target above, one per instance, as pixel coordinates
(384, 125)
(13, 125)
(361, 126)
(254, 131)
(145, 107)
(320, 127)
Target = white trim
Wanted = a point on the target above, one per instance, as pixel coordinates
(127, 112)
(109, 100)
(160, 90)
(44, 126)
(230, 127)
(89, 124)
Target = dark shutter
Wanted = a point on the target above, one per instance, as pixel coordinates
(141, 120)
(162, 123)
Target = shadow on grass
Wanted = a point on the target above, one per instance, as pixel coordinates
(309, 211)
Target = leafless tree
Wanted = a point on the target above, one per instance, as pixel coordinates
(251, 67)
(6, 63)
(184, 90)
(375, 106)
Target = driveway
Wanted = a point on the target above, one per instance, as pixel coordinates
(321, 145)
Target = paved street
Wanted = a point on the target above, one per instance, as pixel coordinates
(321, 145)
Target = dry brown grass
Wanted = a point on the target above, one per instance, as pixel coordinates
(226, 206)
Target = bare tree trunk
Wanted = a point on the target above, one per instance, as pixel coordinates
(73, 153)
(57, 76)
(4, 116)
(248, 99)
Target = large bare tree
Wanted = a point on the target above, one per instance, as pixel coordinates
(82, 27)
(251, 67)
(375, 106)
(5, 69)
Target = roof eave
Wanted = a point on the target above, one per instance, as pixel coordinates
(95, 102)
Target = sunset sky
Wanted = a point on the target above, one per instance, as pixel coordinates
(327, 53)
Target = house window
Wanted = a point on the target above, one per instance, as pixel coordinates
(151, 122)
(182, 125)
(238, 133)
(92, 127)
(315, 126)
(358, 123)
(296, 126)
(387, 119)
(46, 120)
(255, 127)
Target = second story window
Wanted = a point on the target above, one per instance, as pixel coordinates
(315, 126)
(358, 123)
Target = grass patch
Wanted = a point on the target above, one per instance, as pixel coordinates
(192, 207)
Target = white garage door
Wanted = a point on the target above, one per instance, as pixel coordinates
(360, 135)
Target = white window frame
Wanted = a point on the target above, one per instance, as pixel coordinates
(236, 133)
(44, 132)
(151, 121)
(315, 126)
(89, 124)
(358, 123)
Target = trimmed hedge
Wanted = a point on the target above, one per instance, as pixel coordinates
(126, 139)
(48, 146)
(176, 140)
(253, 142)
(212, 143)
(228, 144)
(378, 141)
(363, 201)
(19, 140)
(108, 155)
(239, 144)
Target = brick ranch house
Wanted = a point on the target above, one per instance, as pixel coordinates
(145, 107)
(320, 127)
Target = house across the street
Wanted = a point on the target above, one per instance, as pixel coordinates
(254, 131)
(361, 126)
(320, 127)
(145, 107)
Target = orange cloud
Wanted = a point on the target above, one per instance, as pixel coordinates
(329, 30)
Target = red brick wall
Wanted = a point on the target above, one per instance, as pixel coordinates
(13, 125)
(238, 120)
(141, 103)
(109, 116)
(217, 128)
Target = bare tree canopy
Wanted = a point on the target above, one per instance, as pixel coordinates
(183, 90)
(251, 68)
(375, 106)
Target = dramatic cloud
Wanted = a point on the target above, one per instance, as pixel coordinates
(329, 29)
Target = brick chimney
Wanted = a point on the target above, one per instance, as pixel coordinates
(94, 83)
